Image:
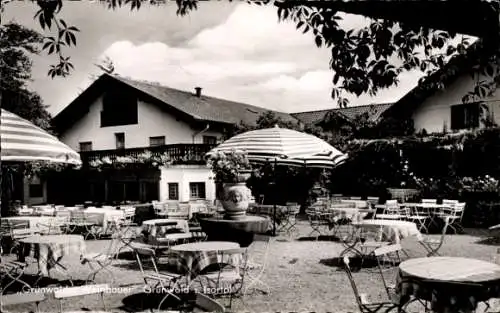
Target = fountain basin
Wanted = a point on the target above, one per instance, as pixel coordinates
(241, 231)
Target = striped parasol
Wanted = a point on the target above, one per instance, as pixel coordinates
(284, 147)
(23, 141)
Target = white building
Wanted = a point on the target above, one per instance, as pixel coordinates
(117, 116)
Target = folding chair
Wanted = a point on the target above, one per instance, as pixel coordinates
(289, 224)
(160, 209)
(382, 254)
(127, 228)
(71, 292)
(179, 211)
(13, 271)
(419, 215)
(317, 220)
(254, 278)
(369, 241)
(153, 279)
(100, 261)
(454, 215)
(78, 221)
(21, 298)
(432, 245)
(392, 211)
(229, 276)
(56, 226)
(13, 231)
(197, 233)
(364, 305)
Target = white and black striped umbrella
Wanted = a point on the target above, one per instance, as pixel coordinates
(285, 147)
(23, 141)
(314, 161)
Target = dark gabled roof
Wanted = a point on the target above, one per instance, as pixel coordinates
(457, 66)
(374, 112)
(203, 108)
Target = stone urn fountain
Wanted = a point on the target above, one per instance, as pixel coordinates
(235, 225)
(236, 198)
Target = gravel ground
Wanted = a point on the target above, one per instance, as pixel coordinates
(302, 276)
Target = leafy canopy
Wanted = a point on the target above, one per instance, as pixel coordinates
(364, 60)
(17, 44)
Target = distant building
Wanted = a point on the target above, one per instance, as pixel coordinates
(442, 110)
(117, 116)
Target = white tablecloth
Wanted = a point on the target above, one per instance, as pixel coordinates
(393, 231)
(101, 216)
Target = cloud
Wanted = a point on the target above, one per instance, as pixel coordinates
(249, 57)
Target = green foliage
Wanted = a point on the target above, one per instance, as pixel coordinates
(146, 159)
(442, 166)
(229, 167)
(267, 119)
(16, 44)
(34, 168)
(364, 60)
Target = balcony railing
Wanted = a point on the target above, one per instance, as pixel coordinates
(178, 153)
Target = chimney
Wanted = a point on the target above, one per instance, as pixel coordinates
(198, 91)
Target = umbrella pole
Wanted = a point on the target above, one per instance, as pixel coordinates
(274, 187)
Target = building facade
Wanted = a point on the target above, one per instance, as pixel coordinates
(118, 118)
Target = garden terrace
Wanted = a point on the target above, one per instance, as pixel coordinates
(177, 153)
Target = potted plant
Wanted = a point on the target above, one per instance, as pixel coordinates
(231, 169)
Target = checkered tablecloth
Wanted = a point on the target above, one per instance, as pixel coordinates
(191, 258)
(451, 284)
(50, 249)
(159, 228)
(389, 230)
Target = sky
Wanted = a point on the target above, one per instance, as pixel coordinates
(234, 51)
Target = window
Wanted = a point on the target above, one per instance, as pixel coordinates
(119, 107)
(36, 191)
(209, 140)
(173, 191)
(156, 141)
(86, 146)
(197, 191)
(465, 116)
(120, 140)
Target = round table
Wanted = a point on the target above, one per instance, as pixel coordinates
(346, 213)
(192, 258)
(50, 249)
(159, 228)
(393, 231)
(241, 231)
(452, 284)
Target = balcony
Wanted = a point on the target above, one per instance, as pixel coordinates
(178, 153)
